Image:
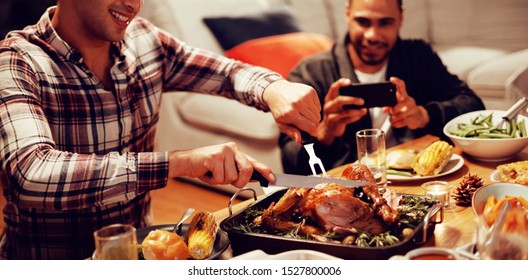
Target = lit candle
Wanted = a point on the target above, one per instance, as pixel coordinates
(438, 190)
(438, 193)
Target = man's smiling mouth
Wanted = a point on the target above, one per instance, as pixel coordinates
(120, 17)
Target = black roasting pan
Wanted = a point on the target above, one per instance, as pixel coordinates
(242, 242)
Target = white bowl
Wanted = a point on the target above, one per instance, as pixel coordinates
(486, 149)
(499, 190)
(288, 255)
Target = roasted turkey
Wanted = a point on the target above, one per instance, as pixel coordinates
(332, 208)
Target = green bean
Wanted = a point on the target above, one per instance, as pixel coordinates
(513, 131)
(483, 127)
(522, 128)
(399, 172)
(484, 120)
(493, 135)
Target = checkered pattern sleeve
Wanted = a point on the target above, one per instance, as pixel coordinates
(198, 70)
(43, 175)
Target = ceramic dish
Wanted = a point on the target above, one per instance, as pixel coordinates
(499, 190)
(288, 255)
(429, 253)
(455, 163)
(220, 245)
(485, 149)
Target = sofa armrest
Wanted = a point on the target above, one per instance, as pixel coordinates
(228, 117)
(517, 85)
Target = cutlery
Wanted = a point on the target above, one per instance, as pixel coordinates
(308, 143)
(289, 180)
(513, 111)
(188, 212)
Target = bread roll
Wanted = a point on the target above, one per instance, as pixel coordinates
(401, 159)
(164, 245)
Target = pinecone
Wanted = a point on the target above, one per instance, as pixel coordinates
(467, 186)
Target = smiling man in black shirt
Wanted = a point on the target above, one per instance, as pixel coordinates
(372, 51)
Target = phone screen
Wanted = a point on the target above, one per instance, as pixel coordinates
(374, 94)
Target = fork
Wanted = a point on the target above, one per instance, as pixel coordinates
(308, 143)
(188, 212)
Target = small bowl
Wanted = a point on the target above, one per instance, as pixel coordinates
(503, 245)
(499, 190)
(486, 149)
(429, 253)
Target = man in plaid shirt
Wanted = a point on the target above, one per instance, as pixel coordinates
(79, 101)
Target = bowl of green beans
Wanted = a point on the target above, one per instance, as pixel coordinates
(478, 135)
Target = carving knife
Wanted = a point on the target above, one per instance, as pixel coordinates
(289, 180)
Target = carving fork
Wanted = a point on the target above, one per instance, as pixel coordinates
(308, 143)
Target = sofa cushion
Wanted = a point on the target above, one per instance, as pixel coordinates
(461, 59)
(222, 115)
(280, 53)
(184, 18)
(230, 31)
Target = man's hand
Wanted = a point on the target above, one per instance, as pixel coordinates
(219, 164)
(406, 112)
(294, 106)
(335, 118)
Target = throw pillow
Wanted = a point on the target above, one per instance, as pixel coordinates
(280, 53)
(231, 31)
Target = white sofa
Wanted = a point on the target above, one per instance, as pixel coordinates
(484, 42)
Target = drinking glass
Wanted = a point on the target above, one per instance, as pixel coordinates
(116, 242)
(371, 152)
(500, 244)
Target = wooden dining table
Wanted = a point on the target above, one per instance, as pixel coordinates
(458, 226)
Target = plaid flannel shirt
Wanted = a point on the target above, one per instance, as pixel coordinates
(75, 157)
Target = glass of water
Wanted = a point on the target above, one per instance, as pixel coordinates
(116, 242)
(371, 151)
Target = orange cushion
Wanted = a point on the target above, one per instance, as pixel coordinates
(280, 53)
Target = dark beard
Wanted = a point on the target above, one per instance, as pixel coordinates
(368, 61)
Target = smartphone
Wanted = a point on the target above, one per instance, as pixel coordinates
(375, 94)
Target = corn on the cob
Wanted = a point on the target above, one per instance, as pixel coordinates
(433, 159)
(201, 235)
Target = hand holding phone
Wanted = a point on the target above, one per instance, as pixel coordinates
(375, 94)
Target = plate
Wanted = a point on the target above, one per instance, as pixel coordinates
(220, 245)
(455, 163)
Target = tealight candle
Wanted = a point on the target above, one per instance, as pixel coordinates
(438, 190)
